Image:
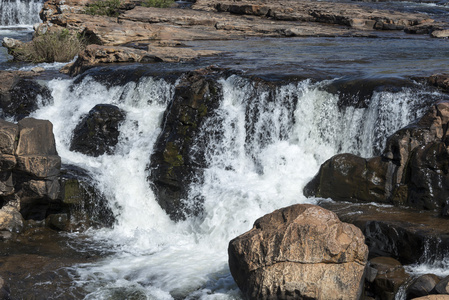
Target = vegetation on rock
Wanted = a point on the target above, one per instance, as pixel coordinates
(108, 8)
(158, 3)
(61, 46)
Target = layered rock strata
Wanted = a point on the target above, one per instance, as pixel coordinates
(29, 170)
(212, 20)
(299, 252)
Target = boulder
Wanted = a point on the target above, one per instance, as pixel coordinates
(440, 33)
(172, 167)
(442, 287)
(299, 252)
(413, 169)
(422, 286)
(390, 277)
(98, 133)
(348, 177)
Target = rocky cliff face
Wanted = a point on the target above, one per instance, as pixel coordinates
(412, 171)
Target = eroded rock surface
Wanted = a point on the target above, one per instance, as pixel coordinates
(218, 20)
(302, 252)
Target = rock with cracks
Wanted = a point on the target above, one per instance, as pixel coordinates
(299, 252)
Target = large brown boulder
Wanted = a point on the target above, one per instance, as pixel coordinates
(299, 252)
(413, 169)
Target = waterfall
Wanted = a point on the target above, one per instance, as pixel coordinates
(264, 143)
(19, 12)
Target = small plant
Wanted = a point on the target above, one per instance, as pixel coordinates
(158, 3)
(108, 8)
(61, 46)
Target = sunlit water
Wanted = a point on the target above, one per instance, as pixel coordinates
(256, 164)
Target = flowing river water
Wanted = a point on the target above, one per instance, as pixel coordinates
(255, 164)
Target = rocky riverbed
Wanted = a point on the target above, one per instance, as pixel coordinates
(133, 196)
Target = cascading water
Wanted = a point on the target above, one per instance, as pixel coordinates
(264, 144)
(19, 12)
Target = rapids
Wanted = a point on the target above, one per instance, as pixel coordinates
(264, 145)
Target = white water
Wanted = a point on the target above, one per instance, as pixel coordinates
(256, 165)
(19, 12)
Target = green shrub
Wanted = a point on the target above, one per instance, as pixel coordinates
(158, 3)
(104, 8)
(61, 46)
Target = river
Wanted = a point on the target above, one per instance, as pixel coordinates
(255, 164)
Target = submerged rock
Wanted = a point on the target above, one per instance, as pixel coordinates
(98, 133)
(299, 252)
(413, 169)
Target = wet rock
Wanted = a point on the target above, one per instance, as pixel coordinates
(422, 286)
(440, 80)
(428, 170)
(411, 171)
(10, 219)
(353, 179)
(172, 168)
(59, 222)
(442, 287)
(301, 252)
(407, 235)
(359, 92)
(4, 290)
(98, 133)
(20, 95)
(84, 203)
(390, 276)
